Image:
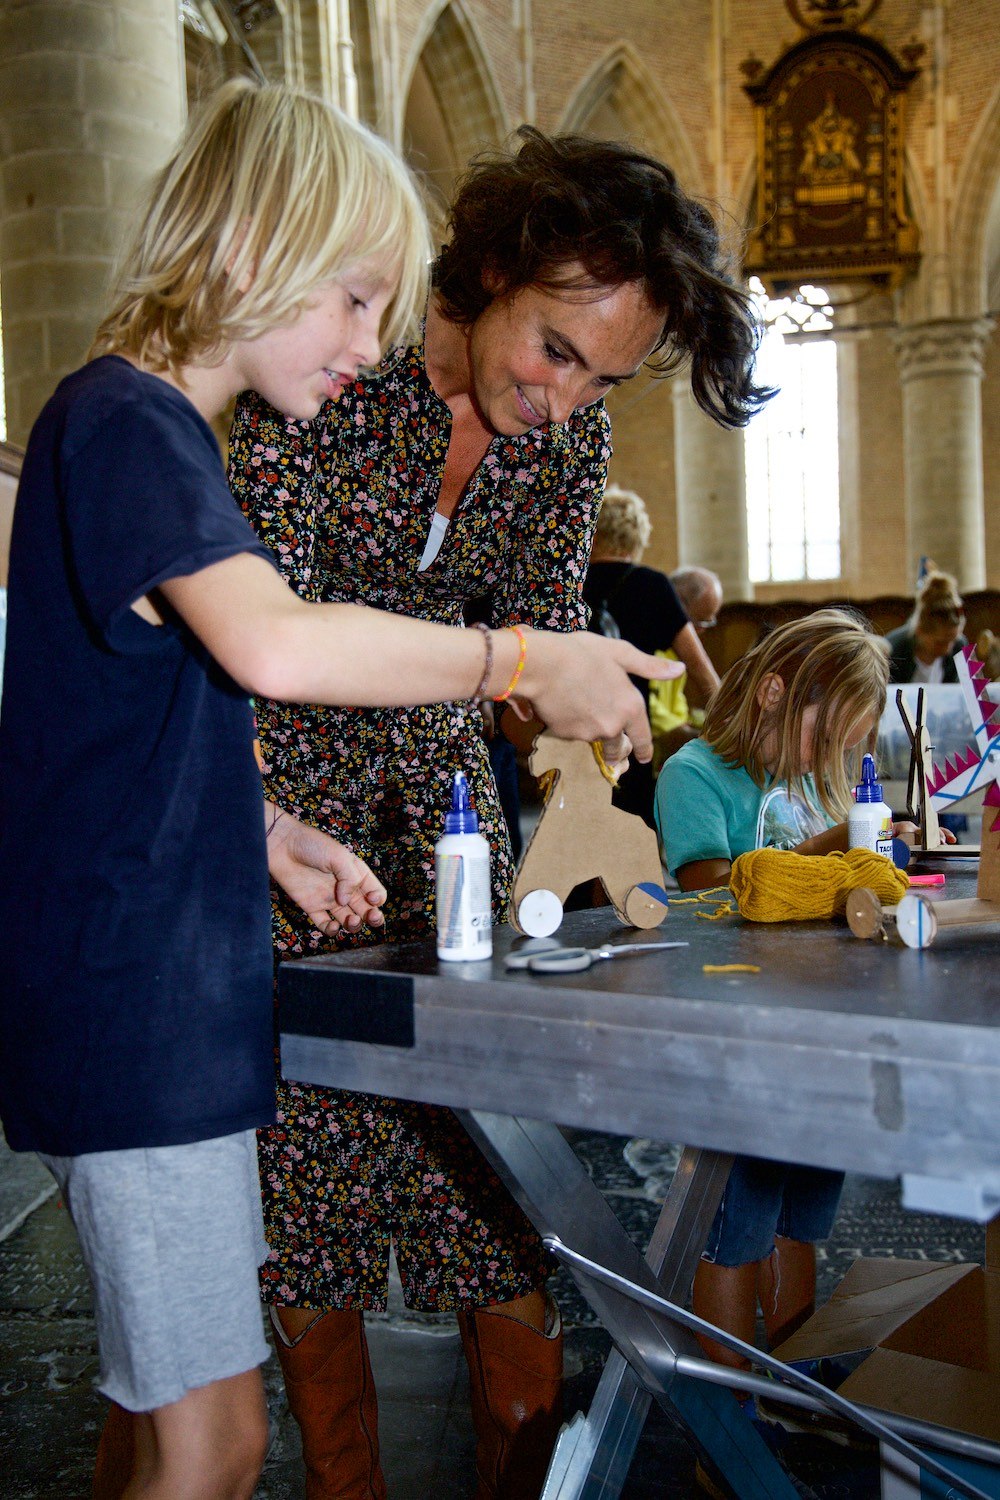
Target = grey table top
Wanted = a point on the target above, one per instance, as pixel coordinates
(867, 1056)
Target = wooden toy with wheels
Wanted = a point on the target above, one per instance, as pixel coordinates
(580, 835)
(918, 918)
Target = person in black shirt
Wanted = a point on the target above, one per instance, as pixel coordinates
(644, 607)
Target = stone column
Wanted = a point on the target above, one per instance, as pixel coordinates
(711, 495)
(91, 99)
(941, 370)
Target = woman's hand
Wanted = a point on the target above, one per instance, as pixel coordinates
(334, 888)
(578, 684)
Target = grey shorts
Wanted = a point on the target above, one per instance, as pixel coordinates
(172, 1237)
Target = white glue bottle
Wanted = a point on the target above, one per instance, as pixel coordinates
(869, 822)
(462, 876)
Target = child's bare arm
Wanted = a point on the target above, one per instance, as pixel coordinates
(279, 646)
(830, 841)
(702, 874)
(834, 840)
(332, 885)
(910, 834)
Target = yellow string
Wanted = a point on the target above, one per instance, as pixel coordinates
(605, 769)
(716, 895)
(730, 968)
(546, 779)
(778, 885)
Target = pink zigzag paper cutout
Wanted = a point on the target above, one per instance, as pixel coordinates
(980, 682)
(935, 780)
(954, 766)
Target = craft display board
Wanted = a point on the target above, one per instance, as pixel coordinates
(918, 918)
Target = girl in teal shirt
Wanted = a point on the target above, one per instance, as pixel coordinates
(774, 768)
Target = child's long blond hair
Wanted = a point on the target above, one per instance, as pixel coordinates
(830, 660)
(269, 193)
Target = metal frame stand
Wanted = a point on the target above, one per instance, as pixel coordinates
(547, 1179)
(788, 1385)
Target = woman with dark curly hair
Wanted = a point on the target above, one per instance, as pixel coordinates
(469, 466)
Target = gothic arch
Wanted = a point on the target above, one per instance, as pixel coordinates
(976, 236)
(621, 85)
(453, 106)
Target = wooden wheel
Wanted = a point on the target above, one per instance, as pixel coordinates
(645, 905)
(915, 921)
(864, 913)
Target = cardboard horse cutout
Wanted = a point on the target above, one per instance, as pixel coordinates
(580, 835)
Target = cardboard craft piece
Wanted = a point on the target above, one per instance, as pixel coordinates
(919, 805)
(988, 884)
(931, 788)
(580, 835)
(934, 1333)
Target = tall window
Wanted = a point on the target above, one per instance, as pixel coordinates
(792, 469)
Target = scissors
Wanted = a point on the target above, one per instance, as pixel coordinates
(556, 960)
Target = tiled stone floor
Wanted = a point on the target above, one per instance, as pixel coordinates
(49, 1414)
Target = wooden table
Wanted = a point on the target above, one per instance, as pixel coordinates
(869, 1057)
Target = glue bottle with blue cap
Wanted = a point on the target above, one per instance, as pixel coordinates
(462, 881)
(869, 822)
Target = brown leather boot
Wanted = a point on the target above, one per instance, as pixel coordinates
(515, 1380)
(331, 1394)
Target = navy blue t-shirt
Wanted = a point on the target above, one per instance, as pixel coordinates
(135, 1002)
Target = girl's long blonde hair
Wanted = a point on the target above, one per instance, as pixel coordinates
(830, 660)
(269, 193)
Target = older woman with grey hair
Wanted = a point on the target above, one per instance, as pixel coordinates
(644, 607)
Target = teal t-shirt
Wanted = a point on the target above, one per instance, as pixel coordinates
(705, 809)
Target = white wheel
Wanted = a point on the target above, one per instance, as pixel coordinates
(539, 913)
(915, 921)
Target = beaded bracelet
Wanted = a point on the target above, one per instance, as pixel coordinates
(276, 816)
(512, 684)
(484, 681)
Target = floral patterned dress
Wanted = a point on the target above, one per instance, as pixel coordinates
(346, 504)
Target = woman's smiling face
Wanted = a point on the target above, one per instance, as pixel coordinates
(539, 354)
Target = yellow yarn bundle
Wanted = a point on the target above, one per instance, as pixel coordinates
(778, 885)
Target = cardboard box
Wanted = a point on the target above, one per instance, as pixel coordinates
(934, 1334)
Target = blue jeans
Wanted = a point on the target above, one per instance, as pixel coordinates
(767, 1198)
